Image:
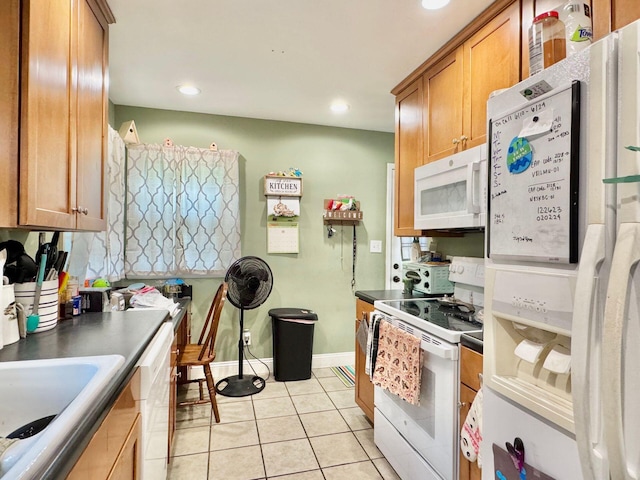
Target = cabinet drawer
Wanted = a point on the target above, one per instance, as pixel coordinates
(104, 449)
(470, 368)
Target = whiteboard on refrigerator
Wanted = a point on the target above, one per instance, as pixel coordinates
(533, 179)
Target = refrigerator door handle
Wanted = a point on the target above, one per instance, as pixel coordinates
(625, 257)
(582, 358)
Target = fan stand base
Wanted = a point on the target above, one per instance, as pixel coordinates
(240, 387)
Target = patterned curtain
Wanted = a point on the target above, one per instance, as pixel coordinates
(102, 253)
(182, 211)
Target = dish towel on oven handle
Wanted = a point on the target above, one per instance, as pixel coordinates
(398, 363)
(372, 343)
(471, 432)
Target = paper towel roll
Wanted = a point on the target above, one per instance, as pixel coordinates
(529, 351)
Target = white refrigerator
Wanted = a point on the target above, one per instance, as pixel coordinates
(562, 292)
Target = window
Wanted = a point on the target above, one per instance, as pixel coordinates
(182, 211)
(406, 242)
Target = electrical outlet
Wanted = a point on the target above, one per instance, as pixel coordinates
(246, 336)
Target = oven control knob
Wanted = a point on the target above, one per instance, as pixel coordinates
(426, 273)
(396, 279)
(396, 266)
(426, 285)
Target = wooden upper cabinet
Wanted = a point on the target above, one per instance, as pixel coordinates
(91, 132)
(62, 126)
(491, 62)
(47, 170)
(444, 101)
(408, 153)
(9, 109)
(457, 86)
(610, 15)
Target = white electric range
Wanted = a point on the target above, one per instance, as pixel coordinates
(421, 442)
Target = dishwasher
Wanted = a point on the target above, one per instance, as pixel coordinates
(153, 400)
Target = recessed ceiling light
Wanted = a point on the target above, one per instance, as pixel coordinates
(188, 90)
(434, 4)
(339, 107)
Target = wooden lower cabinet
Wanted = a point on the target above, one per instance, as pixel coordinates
(470, 383)
(173, 393)
(128, 463)
(115, 450)
(364, 387)
(181, 338)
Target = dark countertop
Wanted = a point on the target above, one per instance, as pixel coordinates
(125, 333)
(371, 296)
(473, 340)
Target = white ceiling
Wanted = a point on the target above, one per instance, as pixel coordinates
(276, 59)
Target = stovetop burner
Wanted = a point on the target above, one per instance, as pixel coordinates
(446, 321)
(447, 317)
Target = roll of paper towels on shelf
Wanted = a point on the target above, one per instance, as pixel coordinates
(529, 351)
(558, 361)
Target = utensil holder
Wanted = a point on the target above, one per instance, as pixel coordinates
(48, 306)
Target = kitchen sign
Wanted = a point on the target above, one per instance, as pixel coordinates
(276, 185)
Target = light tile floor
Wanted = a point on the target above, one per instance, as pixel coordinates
(305, 430)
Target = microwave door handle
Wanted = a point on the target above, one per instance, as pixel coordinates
(625, 258)
(582, 359)
(472, 206)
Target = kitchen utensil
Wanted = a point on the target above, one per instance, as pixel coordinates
(31, 428)
(34, 319)
(63, 279)
(455, 303)
(52, 251)
(62, 260)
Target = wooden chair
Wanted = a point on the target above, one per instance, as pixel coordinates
(203, 352)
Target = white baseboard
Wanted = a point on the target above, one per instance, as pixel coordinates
(226, 369)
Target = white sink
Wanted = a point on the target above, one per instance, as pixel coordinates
(33, 389)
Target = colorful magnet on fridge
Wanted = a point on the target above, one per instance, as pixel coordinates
(520, 155)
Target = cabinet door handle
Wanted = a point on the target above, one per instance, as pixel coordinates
(455, 141)
(463, 138)
(462, 404)
(81, 210)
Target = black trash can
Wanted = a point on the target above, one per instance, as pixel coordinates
(292, 342)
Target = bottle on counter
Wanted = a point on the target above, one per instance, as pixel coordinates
(547, 41)
(416, 251)
(576, 16)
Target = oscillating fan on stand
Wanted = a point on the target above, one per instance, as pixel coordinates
(249, 282)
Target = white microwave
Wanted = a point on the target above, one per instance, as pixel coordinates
(451, 193)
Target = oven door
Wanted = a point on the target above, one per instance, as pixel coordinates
(431, 428)
(452, 192)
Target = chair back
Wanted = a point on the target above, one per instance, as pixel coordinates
(210, 328)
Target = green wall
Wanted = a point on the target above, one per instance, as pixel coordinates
(334, 161)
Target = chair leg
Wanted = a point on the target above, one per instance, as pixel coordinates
(212, 391)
